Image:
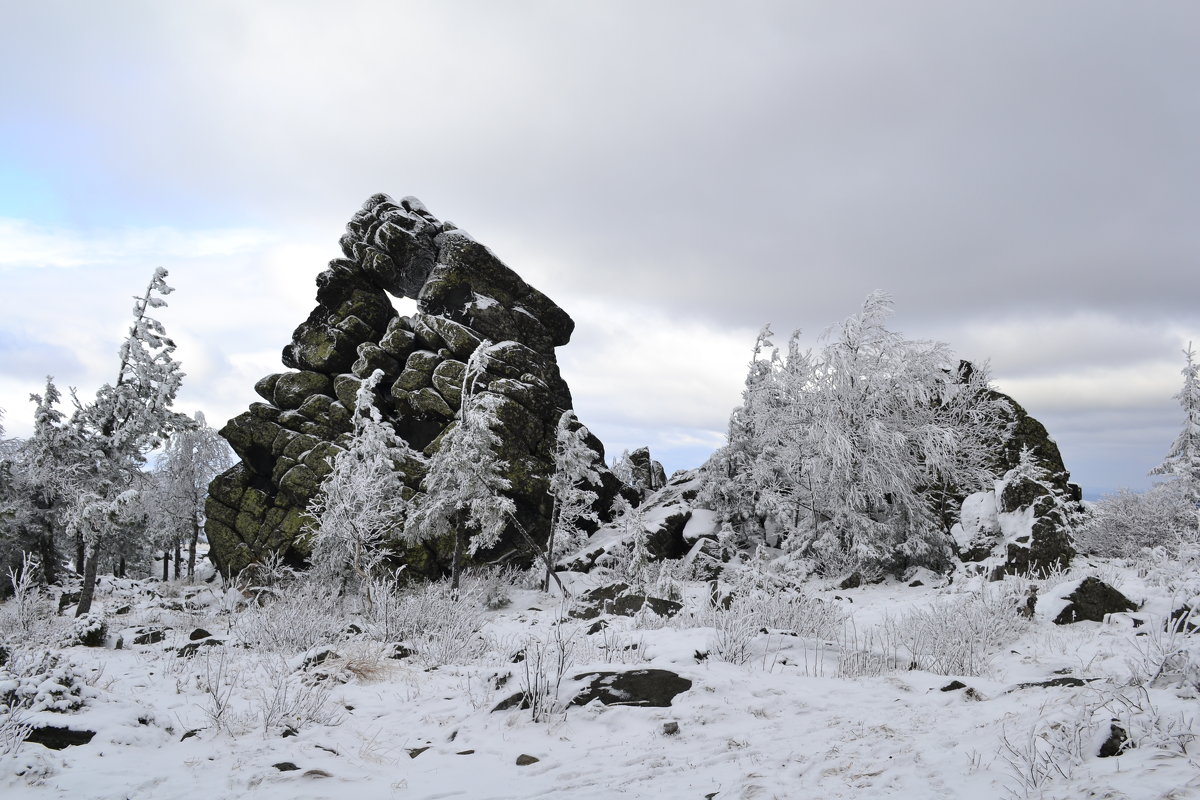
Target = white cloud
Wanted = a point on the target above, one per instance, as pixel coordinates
(25, 244)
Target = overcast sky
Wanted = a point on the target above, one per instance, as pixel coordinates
(1023, 178)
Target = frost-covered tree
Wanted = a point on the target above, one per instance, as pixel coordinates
(363, 502)
(462, 490)
(570, 487)
(740, 472)
(192, 458)
(45, 471)
(635, 564)
(850, 452)
(127, 419)
(1183, 459)
(622, 468)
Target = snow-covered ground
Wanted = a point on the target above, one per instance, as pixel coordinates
(829, 708)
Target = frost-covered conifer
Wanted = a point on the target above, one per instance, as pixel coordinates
(633, 525)
(574, 474)
(1183, 459)
(362, 502)
(127, 419)
(622, 468)
(741, 471)
(462, 491)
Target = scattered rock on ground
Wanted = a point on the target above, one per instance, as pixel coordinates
(57, 738)
(1092, 600)
(639, 687)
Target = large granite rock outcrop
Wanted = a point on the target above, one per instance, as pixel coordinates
(464, 295)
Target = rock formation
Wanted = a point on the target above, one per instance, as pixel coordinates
(1024, 522)
(464, 295)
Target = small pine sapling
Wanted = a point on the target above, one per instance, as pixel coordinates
(363, 501)
(574, 473)
(462, 489)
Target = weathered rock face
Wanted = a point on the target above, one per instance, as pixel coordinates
(648, 474)
(465, 295)
(1024, 521)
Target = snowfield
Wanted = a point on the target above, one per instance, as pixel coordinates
(770, 713)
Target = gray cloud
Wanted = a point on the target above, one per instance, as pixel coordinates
(1023, 180)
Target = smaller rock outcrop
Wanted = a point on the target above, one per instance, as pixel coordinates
(1022, 525)
(1090, 599)
(646, 473)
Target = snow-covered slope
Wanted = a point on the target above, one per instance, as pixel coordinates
(792, 696)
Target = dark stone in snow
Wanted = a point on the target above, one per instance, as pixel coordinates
(639, 687)
(400, 652)
(954, 686)
(57, 738)
(67, 599)
(518, 700)
(199, 633)
(1181, 619)
(285, 766)
(149, 636)
(853, 582)
(318, 658)
(1092, 601)
(616, 598)
(191, 648)
(525, 760)
(1052, 683)
(1116, 743)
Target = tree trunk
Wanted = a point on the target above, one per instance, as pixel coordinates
(456, 560)
(549, 559)
(121, 567)
(80, 554)
(166, 565)
(192, 550)
(550, 546)
(88, 591)
(178, 560)
(48, 556)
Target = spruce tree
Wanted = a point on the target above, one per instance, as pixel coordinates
(127, 419)
(1183, 459)
(574, 473)
(363, 502)
(462, 491)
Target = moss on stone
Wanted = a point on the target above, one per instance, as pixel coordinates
(447, 379)
(345, 388)
(372, 357)
(266, 387)
(418, 371)
(298, 486)
(427, 401)
(293, 388)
